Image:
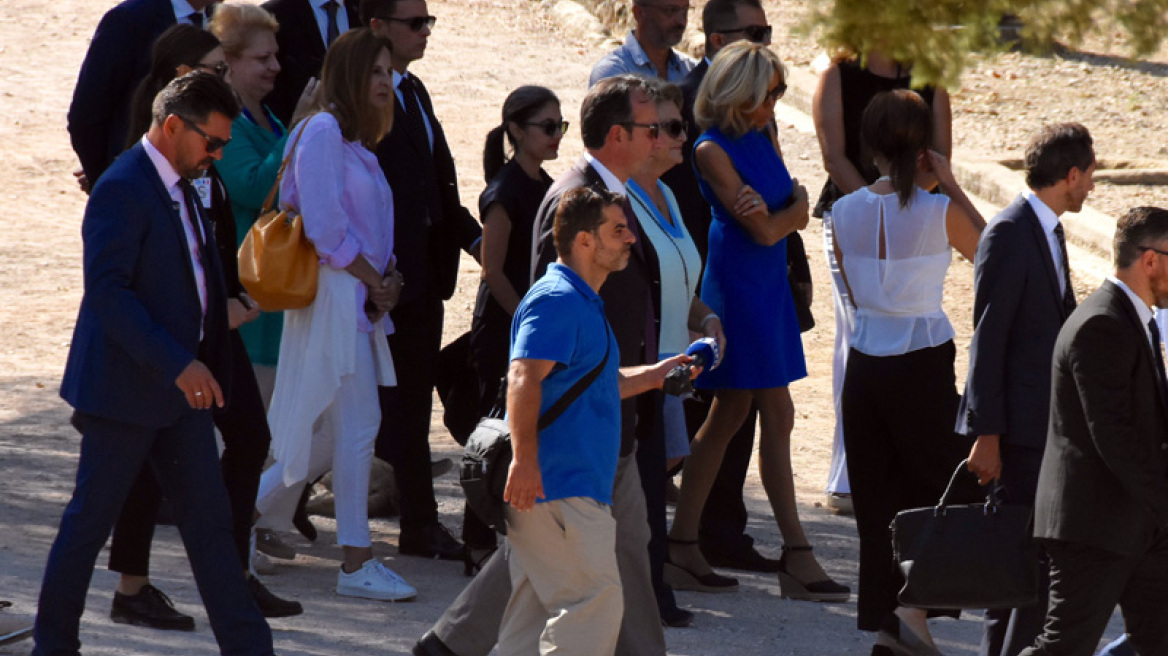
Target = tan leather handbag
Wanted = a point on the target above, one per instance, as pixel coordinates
(278, 265)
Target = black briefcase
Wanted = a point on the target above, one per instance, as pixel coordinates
(967, 556)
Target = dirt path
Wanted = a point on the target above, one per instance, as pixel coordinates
(479, 51)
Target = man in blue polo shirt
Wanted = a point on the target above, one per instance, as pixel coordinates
(566, 590)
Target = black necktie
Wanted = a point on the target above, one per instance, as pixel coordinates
(194, 204)
(196, 19)
(413, 118)
(1068, 291)
(1154, 328)
(332, 30)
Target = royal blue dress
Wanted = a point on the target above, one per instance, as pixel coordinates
(745, 283)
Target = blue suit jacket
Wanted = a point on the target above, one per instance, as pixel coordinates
(1017, 313)
(117, 60)
(139, 322)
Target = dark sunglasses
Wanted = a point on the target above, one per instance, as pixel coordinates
(213, 143)
(1153, 249)
(674, 127)
(653, 128)
(220, 69)
(755, 33)
(773, 95)
(416, 23)
(550, 127)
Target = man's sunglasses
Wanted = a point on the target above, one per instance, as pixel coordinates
(550, 127)
(674, 127)
(754, 33)
(653, 128)
(416, 23)
(220, 69)
(773, 95)
(214, 144)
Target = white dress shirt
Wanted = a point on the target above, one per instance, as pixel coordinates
(321, 15)
(183, 11)
(170, 179)
(1048, 219)
(614, 184)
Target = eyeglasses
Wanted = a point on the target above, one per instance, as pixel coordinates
(755, 33)
(416, 23)
(550, 127)
(773, 95)
(219, 69)
(213, 143)
(1153, 249)
(653, 128)
(670, 11)
(674, 127)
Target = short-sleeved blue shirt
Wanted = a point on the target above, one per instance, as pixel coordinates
(562, 319)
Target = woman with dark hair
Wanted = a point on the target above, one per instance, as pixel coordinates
(243, 424)
(333, 353)
(179, 50)
(756, 205)
(893, 242)
(532, 128)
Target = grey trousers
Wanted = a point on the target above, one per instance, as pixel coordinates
(470, 626)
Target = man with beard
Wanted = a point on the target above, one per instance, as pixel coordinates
(648, 50)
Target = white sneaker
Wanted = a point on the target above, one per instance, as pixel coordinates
(374, 581)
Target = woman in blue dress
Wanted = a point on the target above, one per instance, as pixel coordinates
(755, 206)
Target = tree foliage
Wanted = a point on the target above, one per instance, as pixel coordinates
(940, 35)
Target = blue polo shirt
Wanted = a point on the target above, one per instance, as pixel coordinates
(562, 319)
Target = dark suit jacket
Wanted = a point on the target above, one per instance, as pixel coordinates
(139, 322)
(430, 223)
(117, 60)
(1017, 312)
(632, 297)
(1104, 479)
(301, 51)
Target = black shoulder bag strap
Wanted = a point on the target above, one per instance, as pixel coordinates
(553, 413)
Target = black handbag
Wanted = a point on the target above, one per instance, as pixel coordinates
(967, 556)
(486, 459)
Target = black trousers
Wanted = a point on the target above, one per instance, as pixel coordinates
(404, 438)
(1007, 631)
(898, 414)
(246, 440)
(1087, 583)
(724, 516)
(651, 466)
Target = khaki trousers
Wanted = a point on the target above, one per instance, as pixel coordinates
(565, 586)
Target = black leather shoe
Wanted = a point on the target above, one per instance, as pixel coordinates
(674, 617)
(150, 607)
(300, 517)
(745, 559)
(269, 604)
(432, 541)
(430, 645)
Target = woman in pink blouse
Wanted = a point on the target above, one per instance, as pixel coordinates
(333, 353)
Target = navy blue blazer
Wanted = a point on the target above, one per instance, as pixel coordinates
(140, 316)
(1017, 313)
(430, 225)
(117, 60)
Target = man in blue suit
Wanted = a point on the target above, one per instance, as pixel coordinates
(1022, 296)
(149, 359)
(117, 60)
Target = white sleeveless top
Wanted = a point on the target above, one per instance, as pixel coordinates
(897, 297)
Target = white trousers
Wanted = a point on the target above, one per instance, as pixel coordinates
(342, 440)
(845, 321)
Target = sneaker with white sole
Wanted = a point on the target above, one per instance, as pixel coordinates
(374, 581)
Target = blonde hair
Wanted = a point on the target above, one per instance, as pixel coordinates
(235, 23)
(736, 84)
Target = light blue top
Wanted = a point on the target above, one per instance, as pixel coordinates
(561, 319)
(631, 58)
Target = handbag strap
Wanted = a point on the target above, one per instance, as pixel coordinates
(993, 499)
(553, 413)
(280, 174)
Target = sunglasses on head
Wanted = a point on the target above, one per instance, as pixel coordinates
(416, 23)
(754, 33)
(549, 127)
(674, 128)
(773, 95)
(220, 69)
(213, 143)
